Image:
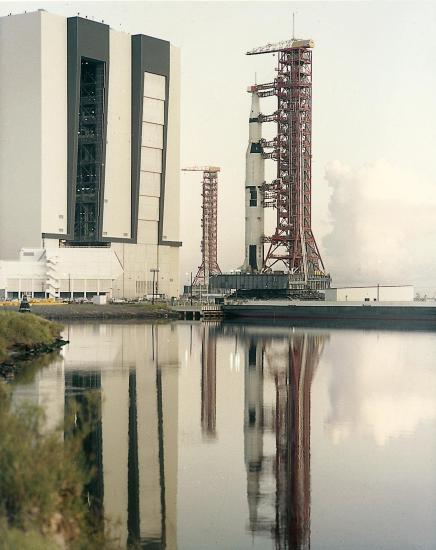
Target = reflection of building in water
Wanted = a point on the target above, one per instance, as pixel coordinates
(152, 460)
(46, 389)
(83, 416)
(290, 360)
(123, 380)
(208, 380)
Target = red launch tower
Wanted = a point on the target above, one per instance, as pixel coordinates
(292, 242)
(209, 222)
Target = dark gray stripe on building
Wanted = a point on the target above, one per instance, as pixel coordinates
(89, 39)
(150, 55)
(55, 236)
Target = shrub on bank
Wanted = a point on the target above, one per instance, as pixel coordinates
(42, 476)
(26, 331)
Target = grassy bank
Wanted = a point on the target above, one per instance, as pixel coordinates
(79, 312)
(24, 331)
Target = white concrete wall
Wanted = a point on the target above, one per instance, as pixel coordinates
(397, 293)
(169, 270)
(53, 124)
(138, 259)
(117, 191)
(371, 293)
(20, 133)
(331, 294)
(85, 263)
(171, 212)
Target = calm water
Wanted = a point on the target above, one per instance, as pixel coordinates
(237, 437)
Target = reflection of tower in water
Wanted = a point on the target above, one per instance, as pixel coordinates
(291, 363)
(208, 380)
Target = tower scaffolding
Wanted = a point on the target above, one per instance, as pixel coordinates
(209, 223)
(292, 242)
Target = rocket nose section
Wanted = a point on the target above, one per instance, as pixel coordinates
(255, 105)
(255, 126)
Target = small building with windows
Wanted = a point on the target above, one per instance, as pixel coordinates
(89, 159)
(377, 293)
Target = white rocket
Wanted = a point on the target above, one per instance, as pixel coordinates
(254, 178)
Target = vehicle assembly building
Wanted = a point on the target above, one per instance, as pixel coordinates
(89, 159)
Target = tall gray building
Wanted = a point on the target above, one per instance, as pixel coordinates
(89, 159)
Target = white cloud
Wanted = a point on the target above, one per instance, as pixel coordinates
(382, 387)
(382, 225)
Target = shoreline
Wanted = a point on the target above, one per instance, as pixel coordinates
(19, 356)
(25, 337)
(84, 312)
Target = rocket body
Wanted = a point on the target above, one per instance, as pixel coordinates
(254, 178)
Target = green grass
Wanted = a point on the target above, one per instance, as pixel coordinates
(14, 539)
(26, 331)
(42, 475)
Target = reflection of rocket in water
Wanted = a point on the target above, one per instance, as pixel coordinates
(254, 178)
(291, 363)
(253, 428)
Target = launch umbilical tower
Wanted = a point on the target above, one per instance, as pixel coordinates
(292, 242)
(209, 263)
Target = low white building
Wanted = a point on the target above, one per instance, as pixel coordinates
(89, 158)
(378, 293)
(55, 272)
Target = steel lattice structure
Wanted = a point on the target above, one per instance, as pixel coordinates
(292, 242)
(209, 223)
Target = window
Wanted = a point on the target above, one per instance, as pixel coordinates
(90, 151)
(141, 287)
(253, 196)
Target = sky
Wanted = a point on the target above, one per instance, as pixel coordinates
(374, 114)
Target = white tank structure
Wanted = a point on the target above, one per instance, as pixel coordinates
(254, 179)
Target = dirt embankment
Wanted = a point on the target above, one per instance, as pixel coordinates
(25, 336)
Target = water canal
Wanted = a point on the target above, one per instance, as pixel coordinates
(250, 437)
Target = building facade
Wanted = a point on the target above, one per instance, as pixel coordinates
(89, 159)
